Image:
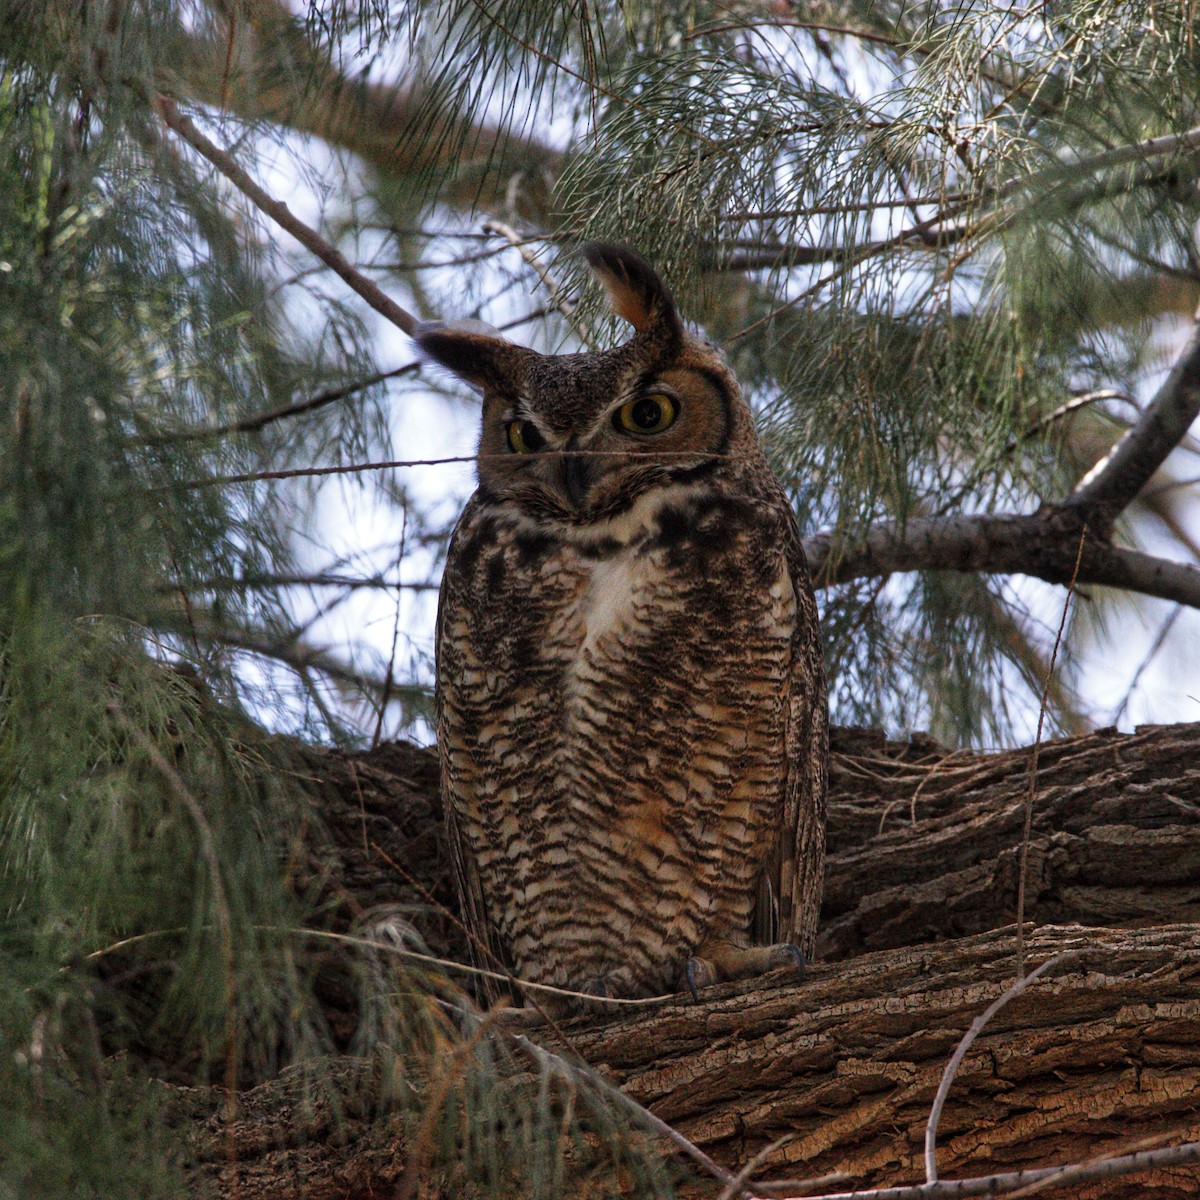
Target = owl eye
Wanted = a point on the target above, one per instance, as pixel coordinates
(650, 414)
(524, 437)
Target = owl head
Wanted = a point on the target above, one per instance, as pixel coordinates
(579, 439)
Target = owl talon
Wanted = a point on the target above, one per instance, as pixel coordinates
(785, 953)
(698, 973)
(723, 960)
(597, 986)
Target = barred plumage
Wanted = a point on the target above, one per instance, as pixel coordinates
(631, 702)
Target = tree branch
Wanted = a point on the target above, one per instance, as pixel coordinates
(1041, 544)
(285, 218)
(1113, 483)
(279, 75)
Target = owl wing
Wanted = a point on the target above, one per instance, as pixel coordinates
(486, 951)
(789, 896)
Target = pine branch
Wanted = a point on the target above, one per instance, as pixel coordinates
(231, 583)
(280, 75)
(262, 420)
(1109, 488)
(283, 216)
(1042, 545)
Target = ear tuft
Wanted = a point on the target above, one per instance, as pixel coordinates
(634, 288)
(475, 351)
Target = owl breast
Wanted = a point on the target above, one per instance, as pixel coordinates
(613, 709)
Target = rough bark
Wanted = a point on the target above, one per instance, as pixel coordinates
(917, 940)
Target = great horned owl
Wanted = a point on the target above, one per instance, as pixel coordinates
(630, 693)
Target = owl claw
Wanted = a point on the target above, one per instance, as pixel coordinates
(698, 973)
(596, 986)
(786, 953)
(722, 960)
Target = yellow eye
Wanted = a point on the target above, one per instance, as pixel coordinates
(650, 414)
(524, 437)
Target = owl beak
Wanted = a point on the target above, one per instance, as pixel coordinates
(577, 478)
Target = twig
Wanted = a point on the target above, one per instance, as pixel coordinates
(1071, 1172)
(564, 306)
(1007, 1183)
(235, 583)
(976, 1027)
(254, 424)
(643, 1114)
(1151, 654)
(396, 464)
(1066, 409)
(1111, 485)
(283, 216)
(805, 1187)
(1033, 762)
(389, 678)
(737, 1186)
(466, 968)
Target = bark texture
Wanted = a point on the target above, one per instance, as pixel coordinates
(917, 939)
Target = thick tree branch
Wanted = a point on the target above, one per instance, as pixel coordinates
(1110, 487)
(837, 1074)
(1040, 544)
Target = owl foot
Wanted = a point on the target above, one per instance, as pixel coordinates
(719, 961)
(609, 986)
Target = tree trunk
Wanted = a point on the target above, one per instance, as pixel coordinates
(917, 940)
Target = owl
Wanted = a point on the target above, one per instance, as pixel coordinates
(631, 707)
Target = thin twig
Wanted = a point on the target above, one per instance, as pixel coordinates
(397, 464)
(237, 583)
(659, 1126)
(299, 408)
(523, 248)
(1007, 1183)
(976, 1027)
(1071, 1172)
(1111, 485)
(1072, 405)
(1033, 762)
(738, 1185)
(448, 964)
(285, 218)
(389, 679)
(1152, 653)
(804, 1187)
